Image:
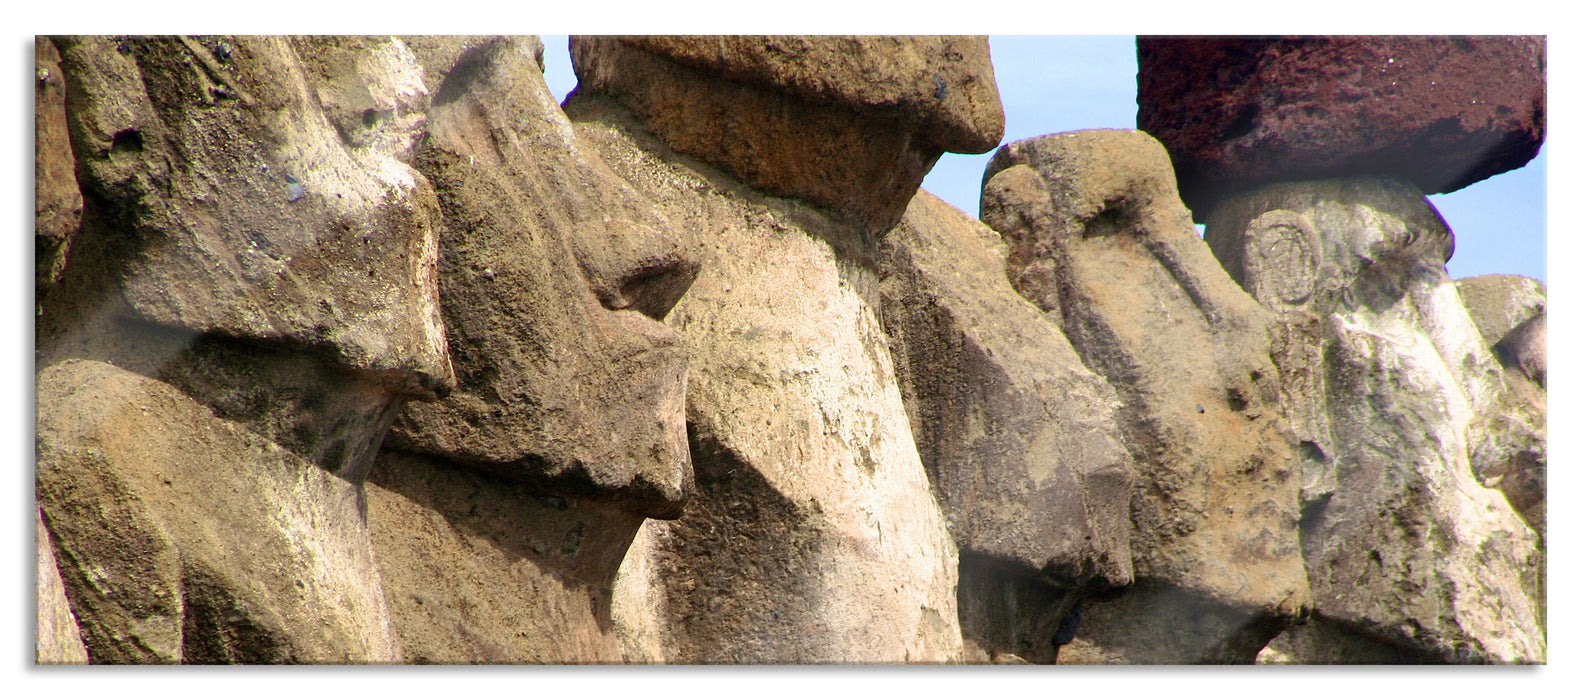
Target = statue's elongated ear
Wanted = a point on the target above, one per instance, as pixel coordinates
(1281, 256)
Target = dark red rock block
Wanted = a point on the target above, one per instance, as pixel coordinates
(1443, 112)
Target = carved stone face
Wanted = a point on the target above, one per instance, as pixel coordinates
(237, 244)
(1309, 249)
(1404, 402)
(1093, 223)
(235, 207)
(1352, 241)
(553, 275)
(268, 246)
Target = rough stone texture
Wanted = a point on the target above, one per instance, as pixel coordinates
(373, 90)
(308, 319)
(813, 536)
(1332, 233)
(57, 201)
(1320, 641)
(1021, 442)
(1156, 622)
(1409, 551)
(1084, 403)
(944, 85)
(1511, 314)
(1443, 112)
(1379, 237)
(1426, 557)
(553, 275)
(1099, 240)
(1298, 352)
(57, 639)
(301, 402)
(185, 147)
(1518, 462)
(172, 554)
(438, 54)
(1500, 303)
(1527, 347)
(852, 124)
(482, 570)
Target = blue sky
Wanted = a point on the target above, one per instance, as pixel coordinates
(1050, 84)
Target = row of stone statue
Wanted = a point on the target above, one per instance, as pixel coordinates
(364, 350)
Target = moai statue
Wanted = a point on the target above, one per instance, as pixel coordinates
(1099, 239)
(1402, 408)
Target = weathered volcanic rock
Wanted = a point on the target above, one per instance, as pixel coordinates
(223, 201)
(553, 275)
(813, 536)
(1500, 303)
(303, 402)
(1412, 549)
(1021, 442)
(1443, 112)
(57, 201)
(58, 640)
(1511, 314)
(185, 539)
(944, 85)
(482, 570)
(439, 54)
(848, 123)
(1519, 463)
(276, 266)
(1527, 347)
(1306, 249)
(373, 90)
(1099, 240)
(1322, 641)
(1409, 553)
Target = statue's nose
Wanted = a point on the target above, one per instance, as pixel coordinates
(642, 265)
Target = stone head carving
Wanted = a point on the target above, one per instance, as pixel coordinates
(553, 276)
(1407, 412)
(1099, 239)
(257, 234)
(1356, 241)
(239, 245)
